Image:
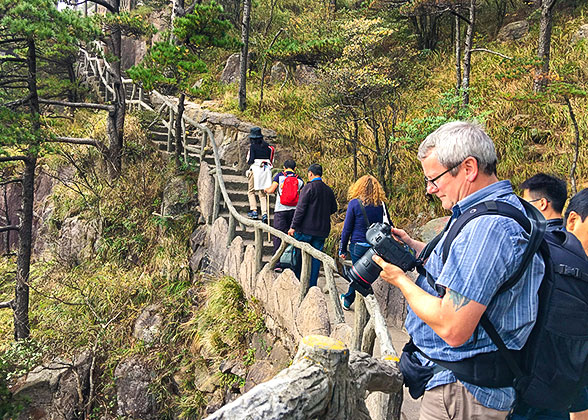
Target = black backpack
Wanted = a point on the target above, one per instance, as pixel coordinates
(552, 367)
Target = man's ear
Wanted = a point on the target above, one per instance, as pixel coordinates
(572, 221)
(470, 166)
(543, 204)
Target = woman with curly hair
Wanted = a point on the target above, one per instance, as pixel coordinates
(366, 192)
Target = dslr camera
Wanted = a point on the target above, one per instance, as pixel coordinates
(365, 271)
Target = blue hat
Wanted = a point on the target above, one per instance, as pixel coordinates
(255, 133)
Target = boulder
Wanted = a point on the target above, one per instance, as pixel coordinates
(132, 51)
(199, 237)
(312, 317)
(205, 191)
(230, 73)
(513, 31)
(148, 324)
(133, 396)
(278, 73)
(77, 239)
(53, 391)
(580, 34)
(259, 372)
(305, 75)
(177, 198)
(279, 355)
(432, 228)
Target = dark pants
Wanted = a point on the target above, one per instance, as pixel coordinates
(282, 221)
(356, 251)
(316, 242)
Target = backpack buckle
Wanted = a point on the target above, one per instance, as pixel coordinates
(567, 270)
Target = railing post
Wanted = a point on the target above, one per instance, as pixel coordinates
(169, 129)
(184, 141)
(339, 317)
(361, 318)
(305, 275)
(258, 248)
(276, 257)
(217, 197)
(231, 232)
(203, 145)
(140, 94)
(369, 338)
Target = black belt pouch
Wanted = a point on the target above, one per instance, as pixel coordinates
(415, 375)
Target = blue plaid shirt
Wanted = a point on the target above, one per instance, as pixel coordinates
(481, 258)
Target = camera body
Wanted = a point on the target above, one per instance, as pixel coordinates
(365, 271)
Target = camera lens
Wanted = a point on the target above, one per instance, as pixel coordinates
(365, 271)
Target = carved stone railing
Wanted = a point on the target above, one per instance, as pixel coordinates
(369, 322)
(325, 381)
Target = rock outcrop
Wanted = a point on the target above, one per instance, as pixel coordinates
(133, 396)
(55, 391)
(513, 31)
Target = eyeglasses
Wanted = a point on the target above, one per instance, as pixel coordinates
(432, 180)
(537, 199)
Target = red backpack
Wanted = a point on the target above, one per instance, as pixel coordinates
(290, 190)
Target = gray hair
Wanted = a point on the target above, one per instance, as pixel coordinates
(455, 141)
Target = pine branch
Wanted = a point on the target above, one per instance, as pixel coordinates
(76, 140)
(17, 103)
(13, 158)
(10, 181)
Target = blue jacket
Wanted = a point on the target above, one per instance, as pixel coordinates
(354, 227)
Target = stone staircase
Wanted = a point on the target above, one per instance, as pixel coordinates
(235, 183)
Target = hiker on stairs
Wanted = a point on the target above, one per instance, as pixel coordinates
(259, 175)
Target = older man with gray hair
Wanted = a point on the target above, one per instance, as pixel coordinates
(459, 164)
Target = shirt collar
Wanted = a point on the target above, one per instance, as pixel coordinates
(318, 178)
(491, 192)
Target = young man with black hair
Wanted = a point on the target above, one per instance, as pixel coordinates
(283, 213)
(549, 194)
(312, 219)
(576, 222)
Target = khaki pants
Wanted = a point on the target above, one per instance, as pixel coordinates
(454, 402)
(251, 195)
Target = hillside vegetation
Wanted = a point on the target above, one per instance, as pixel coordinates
(533, 132)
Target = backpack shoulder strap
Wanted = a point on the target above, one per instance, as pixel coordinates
(534, 224)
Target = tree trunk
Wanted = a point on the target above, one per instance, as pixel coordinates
(355, 141)
(244, 55)
(467, 55)
(25, 233)
(72, 92)
(576, 145)
(544, 46)
(178, 128)
(457, 55)
(116, 139)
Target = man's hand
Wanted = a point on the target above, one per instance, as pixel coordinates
(404, 237)
(291, 232)
(390, 273)
(342, 256)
